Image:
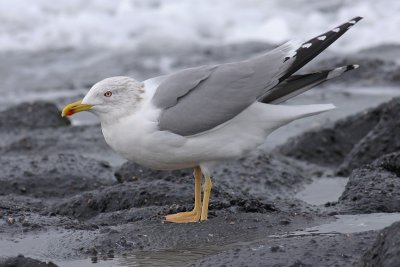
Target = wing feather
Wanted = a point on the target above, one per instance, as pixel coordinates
(198, 99)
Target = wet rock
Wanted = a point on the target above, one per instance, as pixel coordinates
(374, 187)
(87, 141)
(172, 196)
(350, 142)
(263, 175)
(217, 233)
(339, 250)
(258, 174)
(54, 175)
(32, 115)
(385, 52)
(15, 204)
(382, 139)
(329, 146)
(386, 249)
(130, 171)
(21, 261)
(125, 196)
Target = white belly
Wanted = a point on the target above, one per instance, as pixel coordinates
(137, 138)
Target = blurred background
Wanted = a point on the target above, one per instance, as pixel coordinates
(79, 24)
(56, 50)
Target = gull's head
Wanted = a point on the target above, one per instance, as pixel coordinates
(109, 99)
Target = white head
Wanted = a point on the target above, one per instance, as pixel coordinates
(110, 99)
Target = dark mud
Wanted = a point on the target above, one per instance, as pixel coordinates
(34, 115)
(54, 175)
(66, 197)
(21, 261)
(334, 250)
(374, 187)
(382, 139)
(262, 175)
(385, 250)
(350, 142)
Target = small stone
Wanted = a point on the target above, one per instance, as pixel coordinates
(277, 249)
(10, 220)
(25, 222)
(284, 222)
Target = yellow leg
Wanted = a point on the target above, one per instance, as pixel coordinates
(194, 215)
(206, 198)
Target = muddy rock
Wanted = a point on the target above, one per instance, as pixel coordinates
(123, 197)
(329, 146)
(87, 141)
(263, 175)
(374, 187)
(382, 139)
(130, 171)
(32, 115)
(350, 142)
(54, 175)
(215, 234)
(385, 251)
(259, 174)
(170, 196)
(21, 261)
(306, 251)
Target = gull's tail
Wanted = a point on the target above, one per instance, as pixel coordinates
(275, 116)
(297, 84)
(287, 113)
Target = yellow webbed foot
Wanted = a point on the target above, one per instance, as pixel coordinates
(184, 217)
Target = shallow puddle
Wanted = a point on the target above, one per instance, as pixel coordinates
(181, 257)
(173, 258)
(35, 246)
(323, 190)
(346, 224)
(320, 191)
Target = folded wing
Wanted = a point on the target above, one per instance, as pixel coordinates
(198, 99)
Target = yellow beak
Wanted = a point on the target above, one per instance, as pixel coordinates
(75, 108)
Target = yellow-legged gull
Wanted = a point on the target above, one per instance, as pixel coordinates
(199, 117)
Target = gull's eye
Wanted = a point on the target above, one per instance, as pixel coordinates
(108, 94)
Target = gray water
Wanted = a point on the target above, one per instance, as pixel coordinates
(322, 190)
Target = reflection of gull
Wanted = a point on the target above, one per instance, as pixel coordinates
(201, 116)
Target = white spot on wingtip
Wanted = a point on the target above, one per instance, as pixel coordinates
(321, 38)
(352, 21)
(355, 66)
(290, 55)
(307, 45)
(336, 30)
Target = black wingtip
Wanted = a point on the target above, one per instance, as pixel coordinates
(352, 67)
(357, 19)
(310, 49)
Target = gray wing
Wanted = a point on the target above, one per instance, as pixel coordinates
(199, 99)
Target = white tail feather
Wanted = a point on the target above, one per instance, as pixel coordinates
(282, 114)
